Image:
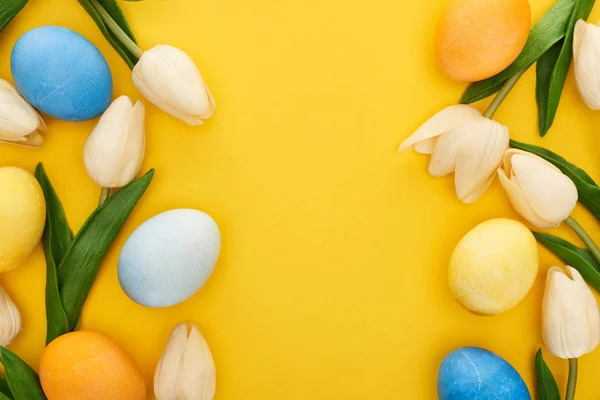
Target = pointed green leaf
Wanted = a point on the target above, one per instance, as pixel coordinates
(57, 239)
(589, 192)
(580, 259)
(78, 269)
(23, 381)
(549, 30)
(8, 10)
(544, 71)
(113, 9)
(553, 67)
(5, 393)
(546, 384)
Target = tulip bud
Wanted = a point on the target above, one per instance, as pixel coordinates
(570, 316)
(114, 151)
(186, 370)
(19, 122)
(169, 79)
(538, 190)
(10, 319)
(586, 56)
(462, 141)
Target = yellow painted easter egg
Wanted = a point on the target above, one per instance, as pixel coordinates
(493, 266)
(85, 365)
(476, 39)
(22, 216)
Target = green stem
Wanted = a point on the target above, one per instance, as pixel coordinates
(104, 194)
(495, 104)
(116, 30)
(585, 238)
(572, 379)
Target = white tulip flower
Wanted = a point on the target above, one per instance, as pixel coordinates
(20, 123)
(461, 140)
(570, 316)
(586, 57)
(114, 151)
(169, 79)
(538, 190)
(10, 319)
(186, 370)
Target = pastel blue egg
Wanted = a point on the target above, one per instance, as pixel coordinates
(169, 257)
(471, 373)
(61, 73)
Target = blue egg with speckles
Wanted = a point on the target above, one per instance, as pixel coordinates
(61, 73)
(169, 257)
(471, 373)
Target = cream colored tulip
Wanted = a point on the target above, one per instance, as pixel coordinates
(586, 57)
(462, 141)
(570, 316)
(10, 319)
(114, 151)
(538, 190)
(169, 79)
(186, 370)
(20, 123)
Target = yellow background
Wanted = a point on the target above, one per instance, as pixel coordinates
(332, 279)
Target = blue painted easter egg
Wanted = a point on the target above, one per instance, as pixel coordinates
(169, 257)
(472, 373)
(61, 73)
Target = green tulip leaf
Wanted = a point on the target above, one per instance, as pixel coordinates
(549, 30)
(5, 392)
(57, 239)
(580, 259)
(116, 13)
(22, 380)
(546, 384)
(8, 10)
(77, 270)
(589, 192)
(553, 66)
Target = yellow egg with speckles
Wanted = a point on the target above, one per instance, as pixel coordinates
(493, 266)
(22, 216)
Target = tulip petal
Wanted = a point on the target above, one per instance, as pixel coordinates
(114, 151)
(168, 370)
(198, 377)
(17, 117)
(444, 121)
(519, 201)
(571, 320)
(586, 61)
(478, 156)
(169, 78)
(551, 194)
(443, 157)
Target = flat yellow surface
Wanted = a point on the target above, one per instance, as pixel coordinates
(332, 278)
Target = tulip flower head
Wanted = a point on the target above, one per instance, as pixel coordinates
(169, 79)
(114, 151)
(538, 190)
(586, 56)
(460, 140)
(186, 370)
(570, 316)
(20, 123)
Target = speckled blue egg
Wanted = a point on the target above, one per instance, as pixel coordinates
(471, 373)
(169, 257)
(61, 73)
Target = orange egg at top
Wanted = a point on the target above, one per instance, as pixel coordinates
(476, 39)
(86, 365)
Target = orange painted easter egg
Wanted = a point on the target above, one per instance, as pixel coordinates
(86, 365)
(476, 39)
